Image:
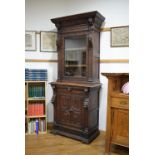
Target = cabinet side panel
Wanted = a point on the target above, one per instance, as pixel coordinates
(93, 110)
(96, 56)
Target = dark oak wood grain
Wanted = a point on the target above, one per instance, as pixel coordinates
(76, 91)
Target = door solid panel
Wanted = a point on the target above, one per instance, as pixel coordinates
(120, 126)
(70, 110)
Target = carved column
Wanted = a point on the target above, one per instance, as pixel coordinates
(86, 106)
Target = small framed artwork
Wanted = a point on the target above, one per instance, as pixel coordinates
(48, 41)
(30, 40)
(120, 36)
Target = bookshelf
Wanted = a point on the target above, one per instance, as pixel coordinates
(35, 106)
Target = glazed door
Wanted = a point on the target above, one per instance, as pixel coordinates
(74, 57)
(70, 109)
(120, 126)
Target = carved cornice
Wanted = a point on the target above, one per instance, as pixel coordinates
(92, 19)
(58, 25)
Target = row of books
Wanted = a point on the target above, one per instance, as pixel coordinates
(36, 91)
(32, 126)
(42, 126)
(35, 109)
(35, 74)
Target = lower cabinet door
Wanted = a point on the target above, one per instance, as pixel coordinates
(70, 109)
(120, 126)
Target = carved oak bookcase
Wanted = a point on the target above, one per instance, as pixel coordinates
(76, 91)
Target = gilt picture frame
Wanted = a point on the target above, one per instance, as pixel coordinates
(30, 41)
(48, 41)
(120, 36)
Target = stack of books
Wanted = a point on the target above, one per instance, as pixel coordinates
(31, 126)
(35, 74)
(42, 125)
(26, 74)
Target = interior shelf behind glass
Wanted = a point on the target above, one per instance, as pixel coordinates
(75, 56)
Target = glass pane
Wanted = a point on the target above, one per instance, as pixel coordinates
(75, 57)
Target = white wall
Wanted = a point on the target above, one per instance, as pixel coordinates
(38, 14)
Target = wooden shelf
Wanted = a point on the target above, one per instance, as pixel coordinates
(40, 132)
(119, 94)
(36, 99)
(35, 81)
(36, 116)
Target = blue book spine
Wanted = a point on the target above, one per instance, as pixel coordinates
(37, 126)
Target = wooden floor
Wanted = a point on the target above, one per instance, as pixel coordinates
(49, 144)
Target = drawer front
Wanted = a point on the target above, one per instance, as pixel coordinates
(72, 90)
(120, 102)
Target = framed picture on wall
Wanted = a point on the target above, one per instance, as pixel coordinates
(30, 40)
(48, 41)
(120, 36)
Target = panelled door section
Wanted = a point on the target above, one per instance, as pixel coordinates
(120, 126)
(70, 109)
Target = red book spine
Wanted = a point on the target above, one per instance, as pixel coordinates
(33, 109)
(42, 109)
(30, 110)
(28, 113)
(36, 109)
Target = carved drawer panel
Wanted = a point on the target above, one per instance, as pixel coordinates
(70, 89)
